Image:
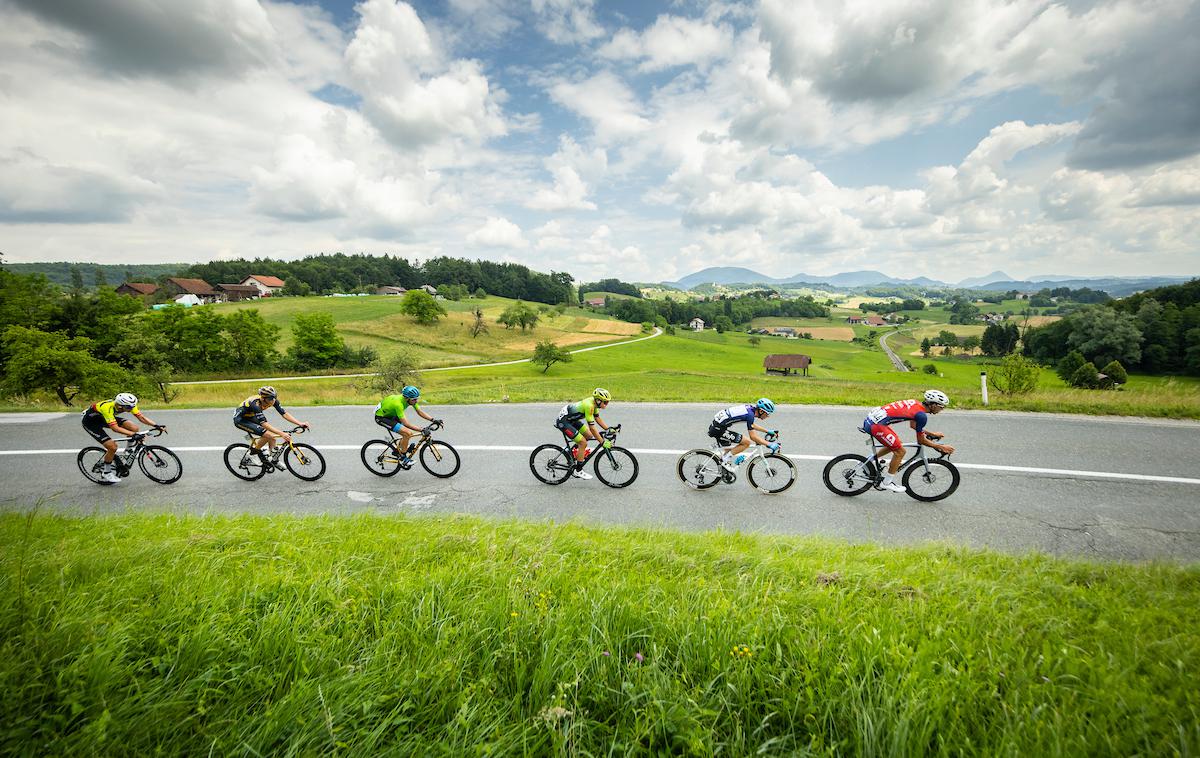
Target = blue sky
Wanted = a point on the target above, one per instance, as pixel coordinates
(944, 138)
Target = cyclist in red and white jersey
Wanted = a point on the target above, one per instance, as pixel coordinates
(879, 425)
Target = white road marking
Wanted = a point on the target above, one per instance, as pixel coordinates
(658, 451)
(273, 379)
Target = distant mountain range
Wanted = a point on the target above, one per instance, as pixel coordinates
(1117, 286)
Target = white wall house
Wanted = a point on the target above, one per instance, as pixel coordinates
(697, 324)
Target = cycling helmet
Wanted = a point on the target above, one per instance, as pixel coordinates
(127, 399)
(410, 392)
(765, 405)
(267, 391)
(601, 395)
(936, 396)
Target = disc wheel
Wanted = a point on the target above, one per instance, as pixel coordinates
(771, 474)
(550, 464)
(243, 463)
(160, 464)
(616, 467)
(304, 461)
(90, 459)
(699, 469)
(845, 475)
(380, 458)
(440, 459)
(931, 481)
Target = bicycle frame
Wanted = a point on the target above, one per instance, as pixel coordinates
(133, 445)
(908, 462)
(276, 451)
(609, 434)
(425, 435)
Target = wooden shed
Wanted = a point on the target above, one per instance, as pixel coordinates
(786, 363)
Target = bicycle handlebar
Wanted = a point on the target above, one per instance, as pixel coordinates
(298, 430)
(611, 432)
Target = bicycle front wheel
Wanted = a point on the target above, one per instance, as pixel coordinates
(380, 458)
(90, 459)
(771, 474)
(160, 464)
(440, 459)
(243, 463)
(304, 461)
(848, 475)
(699, 469)
(551, 464)
(931, 481)
(616, 467)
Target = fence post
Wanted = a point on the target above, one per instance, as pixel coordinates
(983, 385)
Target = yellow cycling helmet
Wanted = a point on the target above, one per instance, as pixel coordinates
(601, 395)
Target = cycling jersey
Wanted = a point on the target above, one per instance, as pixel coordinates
(394, 406)
(894, 413)
(734, 414)
(584, 410)
(105, 412)
(251, 410)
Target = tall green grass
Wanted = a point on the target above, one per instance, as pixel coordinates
(370, 635)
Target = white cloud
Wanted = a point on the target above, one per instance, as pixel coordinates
(498, 232)
(33, 190)
(569, 166)
(567, 22)
(671, 41)
(604, 100)
(1169, 186)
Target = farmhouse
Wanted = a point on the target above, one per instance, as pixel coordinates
(783, 331)
(854, 320)
(233, 293)
(390, 291)
(786, 363)
(177, 287)
(266, 285)
(142, 290)
(696, 324)
(874, 321)
(430, 289)
(595, 302)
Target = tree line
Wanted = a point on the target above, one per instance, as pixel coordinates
(738, 310)
(338, 272)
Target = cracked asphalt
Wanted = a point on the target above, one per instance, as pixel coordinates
(1016, 512)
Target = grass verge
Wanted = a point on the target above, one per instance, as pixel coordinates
(290, 635)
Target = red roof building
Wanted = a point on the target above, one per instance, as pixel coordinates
(267, 285)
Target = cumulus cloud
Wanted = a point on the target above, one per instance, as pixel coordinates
(33, 190)
(498, 232)
(671, 41)
(569, 165)
(1169, 186)
(604, 100)
(567, 22)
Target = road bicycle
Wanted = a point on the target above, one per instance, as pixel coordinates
(157, 462)
(771, 473)
(304, 461)
(382, 457)
(926, 478)
(614, 466)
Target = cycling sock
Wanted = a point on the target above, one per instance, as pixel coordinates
(725, 458)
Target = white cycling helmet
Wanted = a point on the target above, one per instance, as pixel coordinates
(937, 396)
(127, 399)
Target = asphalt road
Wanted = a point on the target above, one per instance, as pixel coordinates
(1151, 509)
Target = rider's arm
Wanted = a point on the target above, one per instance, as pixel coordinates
(291, 418)
(927, 439)
(115, 427)
(423, 415)
(409, 426)
(755, 437)
(145, 420)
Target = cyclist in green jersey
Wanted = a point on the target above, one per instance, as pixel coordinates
(576, 420)
(390, 414)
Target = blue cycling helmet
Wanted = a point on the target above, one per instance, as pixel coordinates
(411, 392)
(765, 405)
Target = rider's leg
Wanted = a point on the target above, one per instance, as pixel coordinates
(110, 451)
(897, 459)
(267, 439)
(737, 449)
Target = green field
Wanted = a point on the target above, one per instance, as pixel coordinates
(376, 321)
(721, 368)
(139, 635)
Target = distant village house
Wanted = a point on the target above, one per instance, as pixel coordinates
(177, 287)
(266, 285)
(390, 291)
(854, 320)
(595, 302)
(144, 291)
(233, 293)
(696, 324)
(874, 321)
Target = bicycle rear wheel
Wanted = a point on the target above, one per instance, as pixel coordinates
(848, 475)
(304, 461)
(380, 458)
(551, 464)
(440, 459)
(160, 464)
(931, 481)
(699, 469)
(771, 474)
(616, 467)
(243, 463)
(90, 459)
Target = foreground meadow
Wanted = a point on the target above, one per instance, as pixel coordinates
(306, 636)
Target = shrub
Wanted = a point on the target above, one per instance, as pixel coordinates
(393, 372)
(1016, 375)
(929, 368)
(422, 307)
(1115, 372)
(1067, 367)
(755, 340)
(1086, 376)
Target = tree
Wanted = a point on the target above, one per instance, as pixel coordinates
(1016, 375)
(315, 342)
(926, 346)
(453, 291)
(999, 339)
(422, 307)
(723, 323)
(480, 293)
(546, 354)
(519, 314)
(1103, 334)
(393, 373)
(1067, 367)
(478, 326)
(294, 287)
(251, 338)
(52, 361)
(947, 338)
(146, 353)
(1086, 376)
(971, 342)
(754, 340)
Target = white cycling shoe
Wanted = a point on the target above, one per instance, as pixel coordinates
(892, 486)
(110, 476)
(581, 474)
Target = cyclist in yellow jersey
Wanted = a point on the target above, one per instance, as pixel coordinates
(575, 421)
(100, 420)
(249, 417)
